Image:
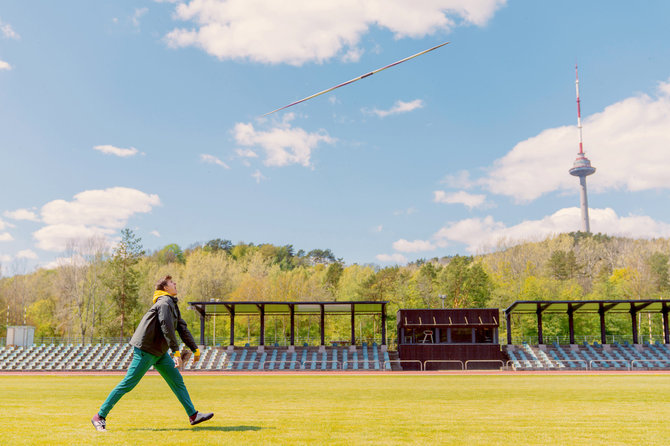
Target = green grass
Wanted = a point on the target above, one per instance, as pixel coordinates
(349, 410)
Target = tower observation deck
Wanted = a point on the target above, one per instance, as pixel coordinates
(582, 167)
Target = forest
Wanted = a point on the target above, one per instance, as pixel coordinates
(98, 292)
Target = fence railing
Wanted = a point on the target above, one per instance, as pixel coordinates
(565, 340)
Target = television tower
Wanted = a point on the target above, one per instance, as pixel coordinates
(582, 166)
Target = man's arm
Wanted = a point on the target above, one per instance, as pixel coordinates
(166, 321)
(186, 335)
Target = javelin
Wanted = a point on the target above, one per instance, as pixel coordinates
(356, 79)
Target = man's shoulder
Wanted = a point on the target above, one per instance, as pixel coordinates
(164, 301)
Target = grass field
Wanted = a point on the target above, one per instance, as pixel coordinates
(349, 409)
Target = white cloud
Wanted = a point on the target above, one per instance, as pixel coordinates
(246, 153)
(21, 214)
(403, 245)
(258, 176)
(408, 211)
(627, 142)
(301, 31)
(398, 107)
(283, 145)
(391, 258)
(111, 150)
(211, 159)
(4, 224)
(378, 228)
(91, 213)
(5, 258)
(460, 180)
(139, 12)
(8, 32)
(460, 197)
(484, 234)
(155, 233)
(5, 66)
(6, 237)
(26, 254)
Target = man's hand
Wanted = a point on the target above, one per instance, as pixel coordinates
(196, 355)
(177, 361)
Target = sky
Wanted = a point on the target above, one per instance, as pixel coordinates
(148, 115)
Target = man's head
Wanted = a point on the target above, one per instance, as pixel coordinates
(168, 285)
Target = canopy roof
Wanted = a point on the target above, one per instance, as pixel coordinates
(588, 306)
(281, 308)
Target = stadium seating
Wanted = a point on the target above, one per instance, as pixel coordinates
(589, 356)
(117, 357)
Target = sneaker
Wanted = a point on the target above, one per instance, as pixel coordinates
(199, 417)
(100, 423)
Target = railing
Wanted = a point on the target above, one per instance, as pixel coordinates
(642, 361)
(565, 340)
(470, 361)
(616, 362)
(269, 341)
(436, 361)
(400, 361)
(510, 363)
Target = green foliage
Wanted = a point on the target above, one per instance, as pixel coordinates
(171, 253)
(658, 264)
(465, 283)
(122, 277)
(563, 265)
(106, 295)
(218, 245)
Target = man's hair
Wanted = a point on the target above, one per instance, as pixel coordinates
(160, 285)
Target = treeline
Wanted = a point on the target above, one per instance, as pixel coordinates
(97, 292)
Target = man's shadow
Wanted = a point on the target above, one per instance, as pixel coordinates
(205, 428)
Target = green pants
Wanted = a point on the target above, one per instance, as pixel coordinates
(142, 361)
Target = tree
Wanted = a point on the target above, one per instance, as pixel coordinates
(321, 256)
(170, 254)
(333, 275)
(122, 277)
(218, 244)
(563, 265)
(465, 283)
(658, 264)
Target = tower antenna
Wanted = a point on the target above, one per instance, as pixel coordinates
(582, 166)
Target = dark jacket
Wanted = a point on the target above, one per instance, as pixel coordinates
(156, 331)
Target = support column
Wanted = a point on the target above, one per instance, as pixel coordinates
(666, 331)
(353, 326)
(323, 325)
(262, 308)
(571, 324)
(292, 308)
(539, 324)
(508, 317)
(633, 317)
(232, 326)
(603, 334)
(202, 328)
(383, 324)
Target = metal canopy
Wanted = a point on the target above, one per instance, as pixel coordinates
(601, 307)
(588, 306)
(264, 308)
(284, 308)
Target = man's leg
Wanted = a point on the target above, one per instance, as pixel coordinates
(142, 361)
(171, 375)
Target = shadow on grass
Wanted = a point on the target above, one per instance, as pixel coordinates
(205, 428)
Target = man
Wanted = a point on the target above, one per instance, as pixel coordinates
(154, 336)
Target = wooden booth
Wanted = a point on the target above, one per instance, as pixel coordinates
(449, 339)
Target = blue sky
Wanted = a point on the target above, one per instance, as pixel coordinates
(146, 114)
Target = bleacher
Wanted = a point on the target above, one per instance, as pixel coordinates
(589, 357)
(117, 357)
